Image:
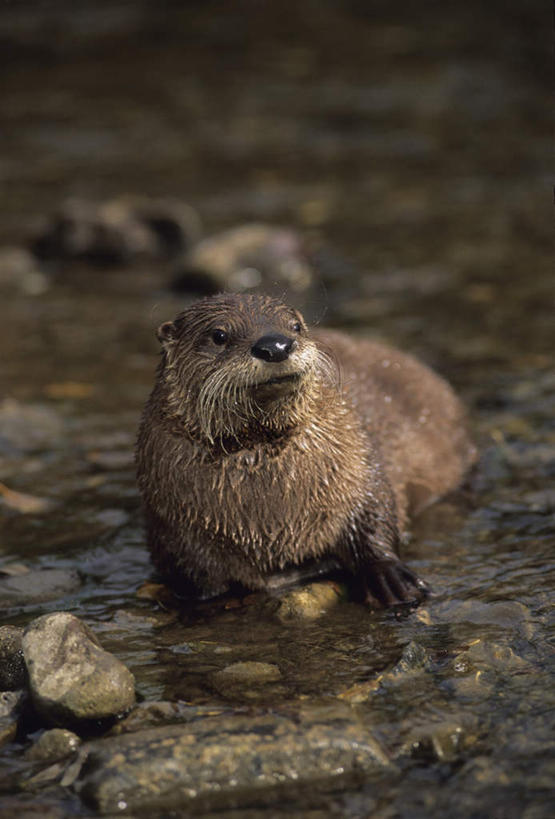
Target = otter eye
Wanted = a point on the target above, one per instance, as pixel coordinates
(219, 336)
(296, 327)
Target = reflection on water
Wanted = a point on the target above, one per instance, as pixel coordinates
(414, 143)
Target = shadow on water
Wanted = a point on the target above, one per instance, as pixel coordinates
(413, 143)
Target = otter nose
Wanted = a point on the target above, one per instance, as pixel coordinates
(272, 348)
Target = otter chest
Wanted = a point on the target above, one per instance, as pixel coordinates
(266, 501)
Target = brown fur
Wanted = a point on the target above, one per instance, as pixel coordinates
(240, 482)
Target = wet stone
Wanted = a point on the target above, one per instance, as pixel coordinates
(12, 666)
(72, 679)
(245, 258)
(37, 586)
(414, 658)
(309, 602)
(215, 763)
(53, 744)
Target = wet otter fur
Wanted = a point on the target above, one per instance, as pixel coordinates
(264, 448)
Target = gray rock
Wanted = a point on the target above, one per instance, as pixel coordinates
(245, 258)
(70, 676)
(12, 665)
(53, 744)
(38, 586)
(221, 762)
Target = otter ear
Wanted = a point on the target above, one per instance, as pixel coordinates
(166, 332)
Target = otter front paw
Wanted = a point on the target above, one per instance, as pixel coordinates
(391, 583)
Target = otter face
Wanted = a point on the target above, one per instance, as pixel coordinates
(233, 363)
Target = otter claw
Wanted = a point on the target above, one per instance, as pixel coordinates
(389, 583)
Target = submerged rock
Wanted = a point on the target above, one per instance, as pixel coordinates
(12, 665)
(219, 762)
(53, 744)
(37, 586)
(71, 678)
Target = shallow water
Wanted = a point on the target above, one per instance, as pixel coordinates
(416, 146)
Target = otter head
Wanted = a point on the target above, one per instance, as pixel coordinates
(240, 366)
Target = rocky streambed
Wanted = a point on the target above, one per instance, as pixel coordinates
(387, 170)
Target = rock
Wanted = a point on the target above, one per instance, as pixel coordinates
(117, 231)
(11, 704)
(413, 660)
(53, 744)
(221, 762)
(309, 602)
(245, 258)
(12, 666)
(71, 678)
(19, 271)
(37, 586)
(507, 614)
(484, 656)
(248, 673)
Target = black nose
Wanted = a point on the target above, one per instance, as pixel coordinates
(273, 348)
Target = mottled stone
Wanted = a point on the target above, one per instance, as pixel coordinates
(221, 762)
(70, 676)
(12, 665)
(53, 744)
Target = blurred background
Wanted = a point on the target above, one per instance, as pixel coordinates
(383, 165)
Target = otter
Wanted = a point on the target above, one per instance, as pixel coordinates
(266, 449)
